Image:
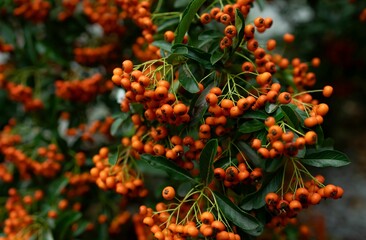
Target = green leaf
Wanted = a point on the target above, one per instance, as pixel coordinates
(29, 43)
(187, 18)
(167, 24)
(326, 158)
(115, 126)
(256, 200)
(172, 169)
(118, 123)
(127, 128)
(320, 135)
(217, 56)
(251, 154)
(193, 53)
(64, 222)
(255, 115)
(225, 162)
(206, 161)
(163, 45)
(237, 216)
(271, 107)
(251, 126)
(56, 186)
(187, 79)
(239, 24)
(272, 165)
(198, 105)
(82, 225)
(290, 116)
(113, 158)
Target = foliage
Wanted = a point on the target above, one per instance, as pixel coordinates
(201, 132)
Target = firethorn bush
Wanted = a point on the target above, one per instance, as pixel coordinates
(151, 120)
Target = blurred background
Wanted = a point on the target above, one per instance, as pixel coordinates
(334, 31)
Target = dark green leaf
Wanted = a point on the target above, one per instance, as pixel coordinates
(199, 106)
(181, 4)
(56, 186)
(272, 165)
(290, 116)
(237, 216)
(251, 126)
(193, 53)
(262, 135)
(172, 169)
(326, 158)
(278, 115)
(29, 43)
(116, 125)
(167, 24)
(64, 222)
(163, 45)
(113, 158)
(239, 24)
(302, 114)
(82, 225)
(255, 115)
(251, 154)
(206, 160)
(217, 56)
(127, 128)
(319, 131)
(270, 108)
(187, 79)
(181, 49)
(187, 18)
(176, 59)
(225, 162)
(256, 200)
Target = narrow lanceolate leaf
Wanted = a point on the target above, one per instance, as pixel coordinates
(326, 158)
(290, 116)
(237, 216)
(239, 24)
(206, 160)
(169, 167)
(251, 126)
(251, 154)
(187, 18)
(58, 185)
(256, 200)
(255, 115)
(187, 79)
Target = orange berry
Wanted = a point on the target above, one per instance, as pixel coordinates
(288, 37)
(169, 36)
(180, 109)
(168, 193)
(207, 218)
(272, 199)
(127, 66)
(270, 121)
(327, 91)
(295, 205)
(256, 143)
(284, 98)
(205, 18)
(264, 78)
(311, 137)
